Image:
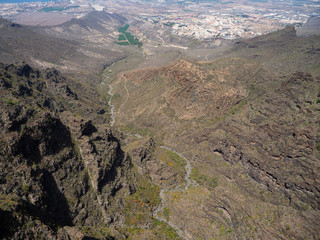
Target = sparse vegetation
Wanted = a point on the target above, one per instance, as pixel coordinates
(140, 205)
(96, 232)
(166, 213)
(174, 162)
(25, 188)
(202, 179)
(224, 231)
(162, 231)
(175, 158)
(8, 201)
(12, 101)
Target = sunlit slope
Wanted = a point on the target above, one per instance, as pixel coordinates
(250, 123)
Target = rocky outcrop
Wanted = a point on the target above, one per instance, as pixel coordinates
(46, 136)
(150, 160)
(58, 172)
(282, 131)
(190, 91)
(57, 83)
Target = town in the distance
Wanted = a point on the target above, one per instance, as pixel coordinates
(199, 19)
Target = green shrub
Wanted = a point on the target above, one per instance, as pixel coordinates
(166, 213)
(25, 188)
(11, 101)
(161, 229)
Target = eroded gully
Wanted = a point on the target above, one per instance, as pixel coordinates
(188, 168)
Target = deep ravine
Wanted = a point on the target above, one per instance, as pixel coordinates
(105, 79)
(188, 168)
(189, 182)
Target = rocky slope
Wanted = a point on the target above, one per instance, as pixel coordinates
(59, 172)
(250, 122)
(65, 174)
(99, 24)
(281, 147)
(44, 50)
(96, 34)
(19, 43)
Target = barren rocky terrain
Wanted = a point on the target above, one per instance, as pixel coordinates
(251, 129)
(102, 141)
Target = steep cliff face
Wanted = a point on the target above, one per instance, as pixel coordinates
(58, 171)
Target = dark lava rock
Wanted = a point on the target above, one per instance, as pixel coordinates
(88, 128)
(4, 84)
(47, 136)
(25, 70)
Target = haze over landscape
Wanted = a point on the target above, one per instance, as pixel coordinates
(160, 119)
